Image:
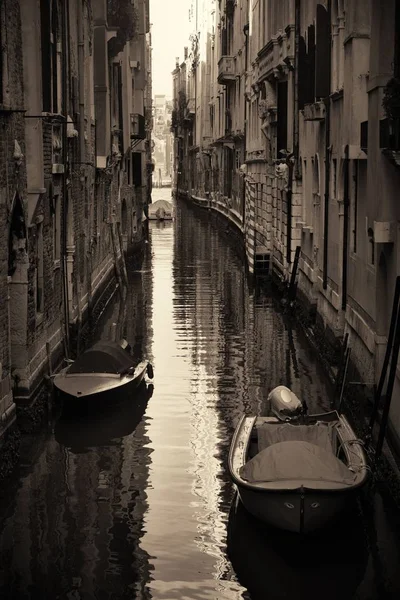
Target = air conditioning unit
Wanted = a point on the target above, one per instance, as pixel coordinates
(135, 64)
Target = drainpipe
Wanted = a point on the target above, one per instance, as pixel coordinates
(327, 165)
(346, 205)
(81, 70)
(63, 233)
(246, 51)
(293, 162)
(290, 165)
(296, 89)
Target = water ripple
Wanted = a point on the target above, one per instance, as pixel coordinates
(137, 503)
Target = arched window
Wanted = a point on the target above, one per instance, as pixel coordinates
(17, 248)
(124, 218)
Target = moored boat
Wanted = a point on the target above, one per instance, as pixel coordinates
(161, 210)
(296, 473)
(105, 367)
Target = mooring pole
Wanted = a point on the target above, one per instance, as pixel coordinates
(389, 390)
(292, 284)
(385, 364)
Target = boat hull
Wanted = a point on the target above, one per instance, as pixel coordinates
(293, 511)
(95, 388)
(297, 506)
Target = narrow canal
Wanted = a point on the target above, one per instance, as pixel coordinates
(137, 503)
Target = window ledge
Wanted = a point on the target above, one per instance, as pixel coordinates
(39, 318)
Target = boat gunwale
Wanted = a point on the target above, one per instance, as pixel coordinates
(142, 366)
(116, 380)
(242, 483)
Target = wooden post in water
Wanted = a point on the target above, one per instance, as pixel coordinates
(115, 252)
(50, 381)
(121, 245)
(292, 284)
(382, 378)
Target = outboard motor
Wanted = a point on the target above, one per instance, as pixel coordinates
(125, 346)
(284, 404)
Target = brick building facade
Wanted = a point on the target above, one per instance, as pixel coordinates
(71, 199)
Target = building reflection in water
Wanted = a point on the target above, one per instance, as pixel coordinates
(277, 565)
(136, 503)
(72, 526)
(226, 346)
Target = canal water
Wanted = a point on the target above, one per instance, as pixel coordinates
(136, 502)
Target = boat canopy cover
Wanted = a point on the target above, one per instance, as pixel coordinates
(321, 434)
(296, 461)
(103, 357)
(160, 205)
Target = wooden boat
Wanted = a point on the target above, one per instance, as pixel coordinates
(104, 368)
(161, 210)
(299, 474)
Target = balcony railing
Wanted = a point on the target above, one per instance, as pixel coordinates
(226, 70)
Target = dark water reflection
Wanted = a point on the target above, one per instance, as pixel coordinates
(136, 503)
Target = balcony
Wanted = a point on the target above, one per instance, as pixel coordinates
(138, 131)
(226, 70)
(314, 112)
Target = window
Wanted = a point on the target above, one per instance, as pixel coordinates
(1, 64)
(137, 168)
(87, 194)
(51, 56)
(396, 60)
(371, 246)
(56, 216)
(39, 269)
(322, 53)
(282, 118)
(124, 218)
(128, 168)
(334, 179)
(355, 203)
(229, 165)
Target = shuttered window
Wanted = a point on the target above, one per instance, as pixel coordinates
(322, 54)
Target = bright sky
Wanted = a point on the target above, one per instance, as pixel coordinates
(169, 34)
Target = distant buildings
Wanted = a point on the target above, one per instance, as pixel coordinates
(75, 178)
(162, 136)
(286, 120)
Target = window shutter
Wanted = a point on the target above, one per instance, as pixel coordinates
(322, 54)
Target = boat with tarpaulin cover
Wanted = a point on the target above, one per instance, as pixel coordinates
(297, 473)
(161, 210)
(105, 367)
